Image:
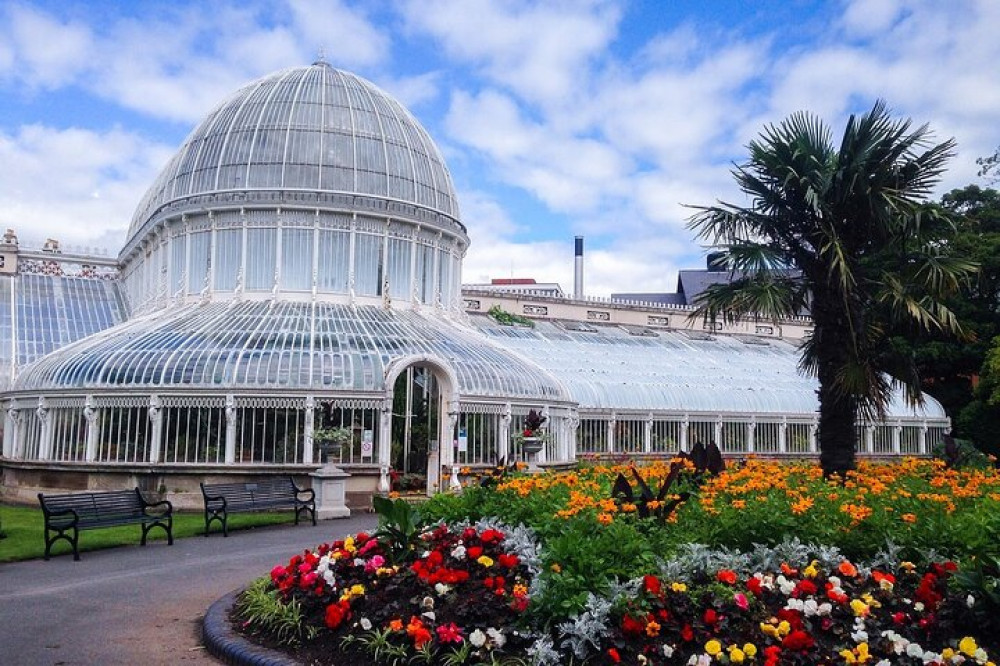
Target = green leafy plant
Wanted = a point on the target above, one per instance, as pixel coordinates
(505, 318)
(260, 607)
(398, 527)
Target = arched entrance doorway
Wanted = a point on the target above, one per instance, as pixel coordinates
(420, 430)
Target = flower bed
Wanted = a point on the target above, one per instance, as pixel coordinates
(571, 585)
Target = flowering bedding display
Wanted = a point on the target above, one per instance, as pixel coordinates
(486, 592)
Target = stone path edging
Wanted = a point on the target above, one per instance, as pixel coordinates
(225, 644)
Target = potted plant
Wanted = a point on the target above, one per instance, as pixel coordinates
(332, 440)
(532, 438)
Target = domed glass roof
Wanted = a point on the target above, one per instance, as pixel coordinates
(307, 129)
(277, 346)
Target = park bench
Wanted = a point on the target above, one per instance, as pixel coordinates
(66, 515)
(221, 499)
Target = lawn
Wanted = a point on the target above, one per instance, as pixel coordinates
(24, 529)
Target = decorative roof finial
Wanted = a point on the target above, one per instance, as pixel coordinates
(321, 57)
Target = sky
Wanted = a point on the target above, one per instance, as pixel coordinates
(600, 118)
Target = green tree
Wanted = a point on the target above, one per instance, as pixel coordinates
(980, 419)
(849, 221)
(949, 368)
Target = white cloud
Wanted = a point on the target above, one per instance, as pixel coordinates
(538, 50)
(79, 186)
(40, 49)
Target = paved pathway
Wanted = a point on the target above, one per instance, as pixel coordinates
(139, 605)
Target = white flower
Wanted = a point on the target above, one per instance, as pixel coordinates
(428, 603)
(970, 601)
(860, 636)
(429, 615)
(795, 605)
(704, 660)
(834, 580)
(442, 589)
(458, 552)
(931, 657)
(786, 586)
(477, 638)
(496, 636)
(980, 656)
(810, 607)
(919, 606)
(366, 624)
(824, 608)
(914, 650)
(884, 662)
(668, 651)
(359, 562)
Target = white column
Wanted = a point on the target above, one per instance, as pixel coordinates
(751, 433)
(503, 443)
(869, 438)
(448, 465)
(156, 417)
(8, 441)
(572, 427)
(611, 433)
(307, 431)
(685, 426)
(45, 419)
(546, 429)
(897, 438)
(92, 416)
(922, 438)
(718, 432)
(647, 435)
(783, 435)
(385, 442)
(813, 430)
(230, 430)
(15, 420)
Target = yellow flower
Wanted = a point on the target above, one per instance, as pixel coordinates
(357, 590)
(750, 650)
(485, 561)
(859, 607)
(947, 654)
(784, 628)
(968, 646)
(713, 647)
(848, 656)
(811, 571)
(736, 655)
(678, 587)
(555, 568)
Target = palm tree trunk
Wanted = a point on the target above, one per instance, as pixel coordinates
(837, 432)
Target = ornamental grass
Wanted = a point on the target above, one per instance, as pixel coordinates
(766, 563)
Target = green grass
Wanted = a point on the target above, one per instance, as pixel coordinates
(25, 540)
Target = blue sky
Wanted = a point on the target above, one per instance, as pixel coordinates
(590, 117)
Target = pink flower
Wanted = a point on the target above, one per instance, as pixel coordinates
(449, 633)
(741, 600)
(375, 563)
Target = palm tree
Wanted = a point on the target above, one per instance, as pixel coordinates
(838, 232)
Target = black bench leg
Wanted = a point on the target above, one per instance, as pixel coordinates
(74, 541)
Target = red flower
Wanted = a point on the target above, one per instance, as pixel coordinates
(772, 654)
(491, 536)
(508, 561)
(613, 653)
(798, 640)
(652, 584)
(336, 613)
(474, 552)
(468, 533)
(804, 587)
(687, 633)
(753, 584)
(449, 633)
(727, 576)
(793, 617)
(710, 617)
(630, 625)
(898, 618)
(878, 577)
(418, 632)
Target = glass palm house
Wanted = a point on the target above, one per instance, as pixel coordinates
(296, 268)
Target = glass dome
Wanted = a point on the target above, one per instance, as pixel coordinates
(307, 129)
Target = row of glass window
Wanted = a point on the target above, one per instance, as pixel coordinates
(405, 267)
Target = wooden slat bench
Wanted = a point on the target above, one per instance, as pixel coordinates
(66, 515)
(221, 499)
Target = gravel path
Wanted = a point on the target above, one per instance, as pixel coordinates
(139, 605)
